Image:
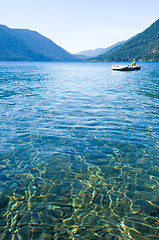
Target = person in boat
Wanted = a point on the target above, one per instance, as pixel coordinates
(133, 64)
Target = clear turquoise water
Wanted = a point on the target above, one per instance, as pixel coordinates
(79, 151)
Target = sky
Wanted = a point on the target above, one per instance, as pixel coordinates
(78, 25)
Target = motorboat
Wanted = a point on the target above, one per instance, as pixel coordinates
(131, 67)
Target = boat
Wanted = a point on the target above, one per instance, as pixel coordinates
(131, 67)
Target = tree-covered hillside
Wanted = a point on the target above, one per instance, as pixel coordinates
(143, 47)
(27, 45)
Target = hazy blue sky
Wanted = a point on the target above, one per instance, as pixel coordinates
(78, 25)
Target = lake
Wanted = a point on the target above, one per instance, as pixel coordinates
(79, 151)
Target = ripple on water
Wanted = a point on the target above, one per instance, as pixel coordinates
(78, 159)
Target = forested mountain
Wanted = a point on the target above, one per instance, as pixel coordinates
(143, 47)
(27, 45)
(98, 51)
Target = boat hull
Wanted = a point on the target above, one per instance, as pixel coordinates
(125, 68)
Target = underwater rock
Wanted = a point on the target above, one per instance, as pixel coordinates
(2, 222)
(58, 236)
(4, 189)
(145, 230)
(3, 201)
(50, 197)
(69, 222)
(105, 201)
(58, 213)
(20, 192)
(36, 233)
(46, 236)
(62, 200)
(24, 233)
(19, 197)
(91, 220)
(81, 230)
(133, 187)
(47, 226)
(146, 207)
(25, 219)
(152, 221)
(6, 235)
(14, 185)
(92, 236)
(47, 218)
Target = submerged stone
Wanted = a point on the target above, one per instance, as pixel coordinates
(3, 201)
(4, 189)
(5, 235)
(46, 236)
(24, 233)
(146, 207)
(3, 222)
(59, 213)
(69, 222)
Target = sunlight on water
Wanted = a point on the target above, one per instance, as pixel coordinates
(78, 151)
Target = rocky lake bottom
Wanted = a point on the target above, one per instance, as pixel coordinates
(78, 152)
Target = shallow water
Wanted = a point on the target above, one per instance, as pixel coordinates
(78, 151)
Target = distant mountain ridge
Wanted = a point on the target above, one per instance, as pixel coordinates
(27, 45)
(143, 47)
(98, 51)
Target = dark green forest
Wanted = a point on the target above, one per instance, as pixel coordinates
(27, 45)
(143, 47)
